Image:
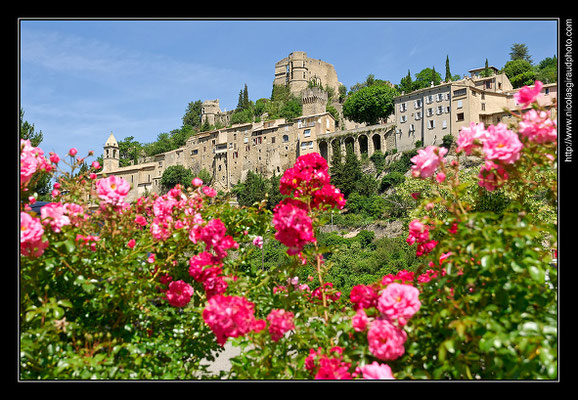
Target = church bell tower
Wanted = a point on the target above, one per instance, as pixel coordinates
(111, 156)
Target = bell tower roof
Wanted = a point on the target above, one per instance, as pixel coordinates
(111, 141)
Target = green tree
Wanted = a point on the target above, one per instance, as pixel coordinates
(487, 71)
(252, 190)
(27, 131)
(346, 175)
(547, 70)
(519, 51)
(425, 77)
(193, 114)
(519, 72)
(129, 150)
(370, 104)
(175, 174)
(406, 84)
(448, 73)
(42, 183)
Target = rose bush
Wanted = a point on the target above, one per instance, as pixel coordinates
(154, 289)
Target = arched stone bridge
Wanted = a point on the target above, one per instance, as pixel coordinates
(368, 139)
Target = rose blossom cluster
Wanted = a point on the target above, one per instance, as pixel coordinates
(112, 190)
(231, 316)
(382, 310)
(419, 233)
(179, 293)
(280, 322)
(31, 231)
(308, 184)
(502, 147)
(32, 160)
(328, 366)
(427, 161)
(332, 366)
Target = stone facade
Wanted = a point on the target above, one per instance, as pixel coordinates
(297, 70)
(270, 147)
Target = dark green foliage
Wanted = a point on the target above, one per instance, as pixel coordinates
(370, 104)
(174, 175)
(392, 179)
(255, 188)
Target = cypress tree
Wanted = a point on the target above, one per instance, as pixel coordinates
(245, 97)
(448, 73)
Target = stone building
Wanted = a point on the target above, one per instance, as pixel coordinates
(297, 70)
(271, 146)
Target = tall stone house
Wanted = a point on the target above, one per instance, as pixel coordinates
(271, 146)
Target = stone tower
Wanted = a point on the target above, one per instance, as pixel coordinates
(297, 70)
(314, 101)
(111, 156)
(210, 109)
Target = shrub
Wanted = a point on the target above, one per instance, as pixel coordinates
(149, 290)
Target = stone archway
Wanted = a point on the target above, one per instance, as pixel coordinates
(324, 150)
(363, 145)
(376, 139)
(349, 141)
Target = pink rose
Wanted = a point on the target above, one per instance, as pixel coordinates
(492, 176)
(72, 152)
(230, 316)
(179, 293)
(31, 232)
(112, 190)
(538, 127)
(363, 296)
(471, 137)
(208, 191)
(197, 182)
(502, 144)
(399, 302)
(426, 161)
(280, 321)
(258, 241)
(294, 228)
(55, 215)
(376, 370)
(528, 95)
(360, 321)
(386, 342)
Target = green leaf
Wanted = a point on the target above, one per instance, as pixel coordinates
(70, 247)
(537, 274)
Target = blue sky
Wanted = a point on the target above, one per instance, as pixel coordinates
(82, 79)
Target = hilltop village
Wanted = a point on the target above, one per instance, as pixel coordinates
(270, 146)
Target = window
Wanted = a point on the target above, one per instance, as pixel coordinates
(285, 138)
(402, 107)
(307, 133)
(444, 124)
(403, 118)
(483, 106)
(430, 112)
(460, 104)
(306, 145)
(411, 127)
(459, 92)
(439, 110)
(418, 115)
(431, 124)
(417, 103)
(459, 116)
(429, 99)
